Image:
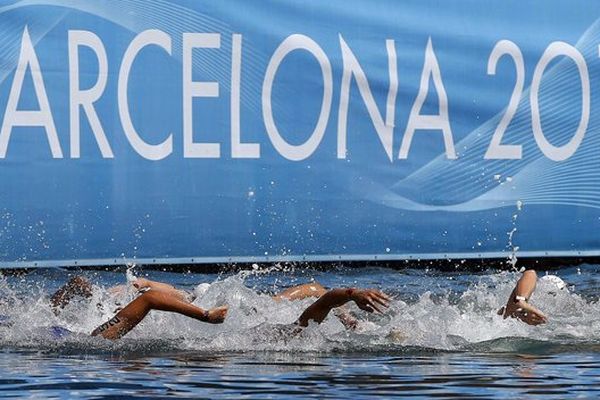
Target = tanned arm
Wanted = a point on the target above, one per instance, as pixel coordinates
(136, 311)
(518, 305)
(143, 283)
(315, 289)
(369, 300)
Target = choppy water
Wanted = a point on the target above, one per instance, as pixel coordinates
(441, 337)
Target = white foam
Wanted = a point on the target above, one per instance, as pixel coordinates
(255, 320)
(555, 281)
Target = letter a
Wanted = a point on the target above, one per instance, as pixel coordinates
(429, 122)
(41, 117)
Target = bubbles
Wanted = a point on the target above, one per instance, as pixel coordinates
(512, 258)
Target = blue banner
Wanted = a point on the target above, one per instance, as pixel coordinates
(202, 131)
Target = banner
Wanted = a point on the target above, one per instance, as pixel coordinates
(222, 131)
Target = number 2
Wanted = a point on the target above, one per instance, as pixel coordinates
(497, 150)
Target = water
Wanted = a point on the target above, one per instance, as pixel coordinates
(441, 337)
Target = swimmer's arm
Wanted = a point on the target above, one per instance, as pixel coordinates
(117, 290)
(521, 309)
(136, 311)
(313, 289)
(143, 283)
(368, 300)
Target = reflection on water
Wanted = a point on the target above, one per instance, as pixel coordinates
(451, 343)
(280, 375)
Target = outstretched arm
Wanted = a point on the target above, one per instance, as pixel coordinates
(368, 300)
(134, 313)
(518, 305)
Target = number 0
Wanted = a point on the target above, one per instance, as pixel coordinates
(560, 153)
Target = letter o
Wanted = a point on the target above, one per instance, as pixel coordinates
(303, 151)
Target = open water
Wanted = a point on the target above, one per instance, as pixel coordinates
(441, 337)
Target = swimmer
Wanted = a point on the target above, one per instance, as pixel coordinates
(153, 296)
(518, 305)
(77, 286)
(164, 297)
(369, 300)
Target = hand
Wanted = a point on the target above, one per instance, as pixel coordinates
(217, 315)
(370, 300)
(140, 283)
(523, 311)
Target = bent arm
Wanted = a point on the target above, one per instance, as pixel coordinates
(319, 310)
(517, 305)
(136, 311)
(368, 300)
(315, 289)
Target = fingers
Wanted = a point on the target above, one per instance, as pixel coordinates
(382, 296)
(530, 315)
(535, 313)
(538, 319)
(531, 318)
(376, 301)
(382, 299)
(374, 307)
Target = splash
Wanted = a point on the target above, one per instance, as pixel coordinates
(512, 257)
(446, 321)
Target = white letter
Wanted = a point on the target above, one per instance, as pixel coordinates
(291, 43)
(560, 153)
(86, 98)
(148, 151)
(193, 89)
(497, 150)
(440, 121)
(238, 149)
(42, 117)
(353, 68)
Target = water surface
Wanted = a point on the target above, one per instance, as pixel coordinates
(441, 337)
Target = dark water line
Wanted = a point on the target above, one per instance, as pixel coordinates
(472, 265)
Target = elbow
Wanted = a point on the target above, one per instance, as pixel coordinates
(530, 273)
(151, 298)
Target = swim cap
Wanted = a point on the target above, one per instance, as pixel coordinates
(201, 289)
(554, 281)
(59, 332)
